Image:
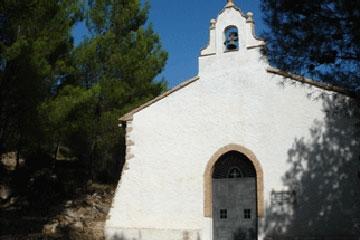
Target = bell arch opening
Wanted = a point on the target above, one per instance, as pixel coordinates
(233, 161)
(231, 38)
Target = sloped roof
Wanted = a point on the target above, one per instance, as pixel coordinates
(321, 85)
(328, 87)
(129, 116)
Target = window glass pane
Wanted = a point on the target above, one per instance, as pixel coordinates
(247, 213)
(223, 213)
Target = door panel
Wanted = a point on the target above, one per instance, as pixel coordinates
(238, 197)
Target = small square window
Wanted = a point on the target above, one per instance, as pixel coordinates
(223, 213)
(247, 213)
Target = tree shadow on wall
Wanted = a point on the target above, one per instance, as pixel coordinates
(325, 174)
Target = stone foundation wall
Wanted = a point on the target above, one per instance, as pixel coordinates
(151, 234)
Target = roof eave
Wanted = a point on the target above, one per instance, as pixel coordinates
(321, 85)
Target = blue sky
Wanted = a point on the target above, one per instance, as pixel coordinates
(183, 26)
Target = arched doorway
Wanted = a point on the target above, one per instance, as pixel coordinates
(234, 198)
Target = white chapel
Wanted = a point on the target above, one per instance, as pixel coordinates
(240, 151)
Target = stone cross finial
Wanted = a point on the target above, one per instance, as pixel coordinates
(230, 3)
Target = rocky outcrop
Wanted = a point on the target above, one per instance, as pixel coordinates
(80, 218)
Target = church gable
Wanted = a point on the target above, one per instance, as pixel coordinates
(234, 48)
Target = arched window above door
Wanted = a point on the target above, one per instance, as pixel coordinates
(233, 164)
(234, 173)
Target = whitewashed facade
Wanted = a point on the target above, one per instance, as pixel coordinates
(236, 103)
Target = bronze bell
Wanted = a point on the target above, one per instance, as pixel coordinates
(232, 41)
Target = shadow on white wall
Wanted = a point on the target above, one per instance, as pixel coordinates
(325, 174)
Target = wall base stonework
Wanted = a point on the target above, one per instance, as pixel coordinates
(151, 234)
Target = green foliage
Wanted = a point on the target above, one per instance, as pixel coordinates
(114, 72)
(319, 38)
(58, 101)
(35, 42)
(61, 101)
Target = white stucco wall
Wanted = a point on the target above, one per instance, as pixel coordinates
(160, 195)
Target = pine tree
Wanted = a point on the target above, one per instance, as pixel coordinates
(35, 41)
(319, 38)
(115, 71)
